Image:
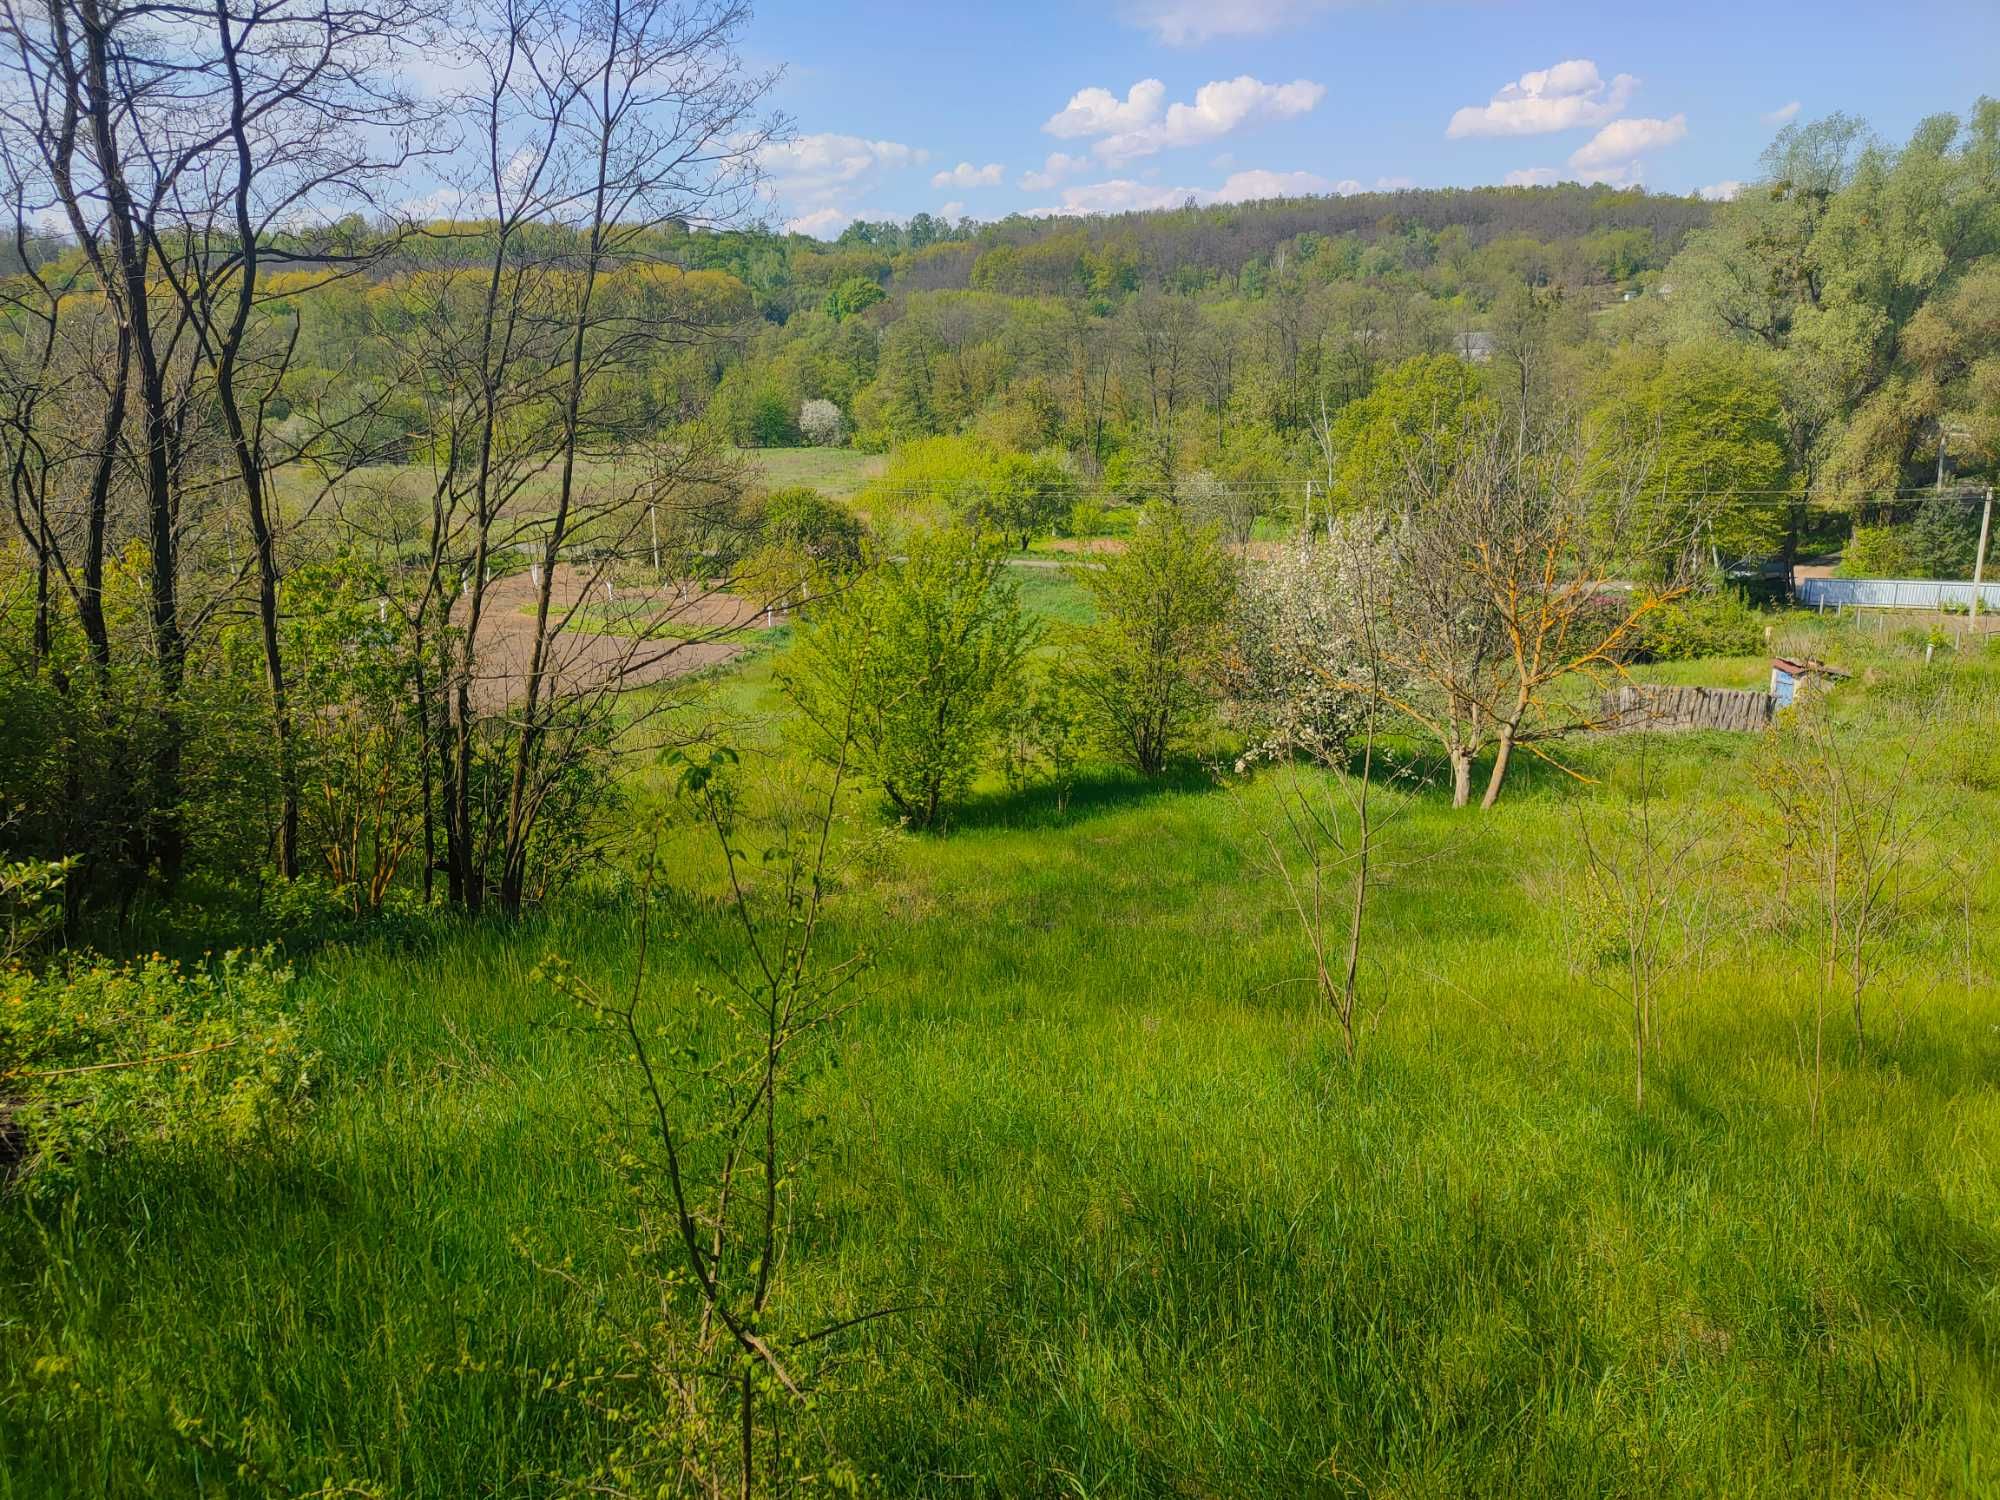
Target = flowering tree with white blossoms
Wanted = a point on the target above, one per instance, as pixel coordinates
(1306, 666)
(821, 423)
(1311, 676)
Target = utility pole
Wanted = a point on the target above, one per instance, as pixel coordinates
(1979, 557)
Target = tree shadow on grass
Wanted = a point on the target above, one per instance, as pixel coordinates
(1103, 790)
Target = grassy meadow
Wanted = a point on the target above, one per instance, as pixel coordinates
(1152, 1232)
(839, 473)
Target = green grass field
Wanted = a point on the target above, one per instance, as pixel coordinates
(1156, 1236)
(836, 472)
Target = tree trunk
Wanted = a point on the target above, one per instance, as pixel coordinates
(520, 804)
(1503, 755)
(250, 465)
(165, 838)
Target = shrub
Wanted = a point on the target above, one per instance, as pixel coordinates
(96, 1057)
(30, 903)
(1087, 518)
(770, 421)
(1042, 737)
(1716, 623)
(1143, 668)
(1877, 552)
(916, 658)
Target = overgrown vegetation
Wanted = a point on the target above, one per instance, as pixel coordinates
(850, 868)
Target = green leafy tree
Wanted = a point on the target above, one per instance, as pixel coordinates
(1698, 436)
(1027, 496)
(1830, 263)
(803, 519)
(856, 294)
(1943, 537)
(1409, 417)
(806, 544)
(1878, 552)
(1145, 666)
(919, 655)
(770, 421)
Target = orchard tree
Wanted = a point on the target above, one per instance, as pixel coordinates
(821, 423)
(1504, 592)
(909, 670)
(1027, 496)
(1147, 664)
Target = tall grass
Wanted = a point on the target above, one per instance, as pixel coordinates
(1162, 1238)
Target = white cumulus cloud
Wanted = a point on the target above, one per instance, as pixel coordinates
(966, 175)
(1218, 109)
(1059, 166)
(1782, 114)
(821, 223)
(814, 176)
(1724, 191)
(1531, 177)
(813, 168)
(1097, 111)
(1125, 195)
(1563, 97)
(1240, 187)
(1612, 154)
(952, 210)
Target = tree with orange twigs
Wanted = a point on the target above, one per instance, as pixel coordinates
(1501, 593)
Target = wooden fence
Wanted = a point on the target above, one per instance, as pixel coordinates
(1637, 706)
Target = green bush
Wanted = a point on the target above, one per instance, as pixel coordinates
(1142, 668)
(904, 674)
(1717, 623)
(96, 1057)
(1878, 552)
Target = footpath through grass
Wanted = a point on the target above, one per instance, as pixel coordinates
(1160, 1237)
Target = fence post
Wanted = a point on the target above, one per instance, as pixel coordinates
(1979, 557)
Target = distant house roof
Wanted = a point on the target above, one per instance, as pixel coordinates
(1475, 347)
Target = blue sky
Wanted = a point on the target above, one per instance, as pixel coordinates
(986, 109)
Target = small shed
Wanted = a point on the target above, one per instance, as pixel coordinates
(1789, 678)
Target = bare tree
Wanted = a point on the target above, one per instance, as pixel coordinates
(184, 149)
(1506, 606)
(592, 129)
(1849, 822)
(308, 119)
(1644, 903)
(1165, 336)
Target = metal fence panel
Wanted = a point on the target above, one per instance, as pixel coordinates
(1895, 593)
